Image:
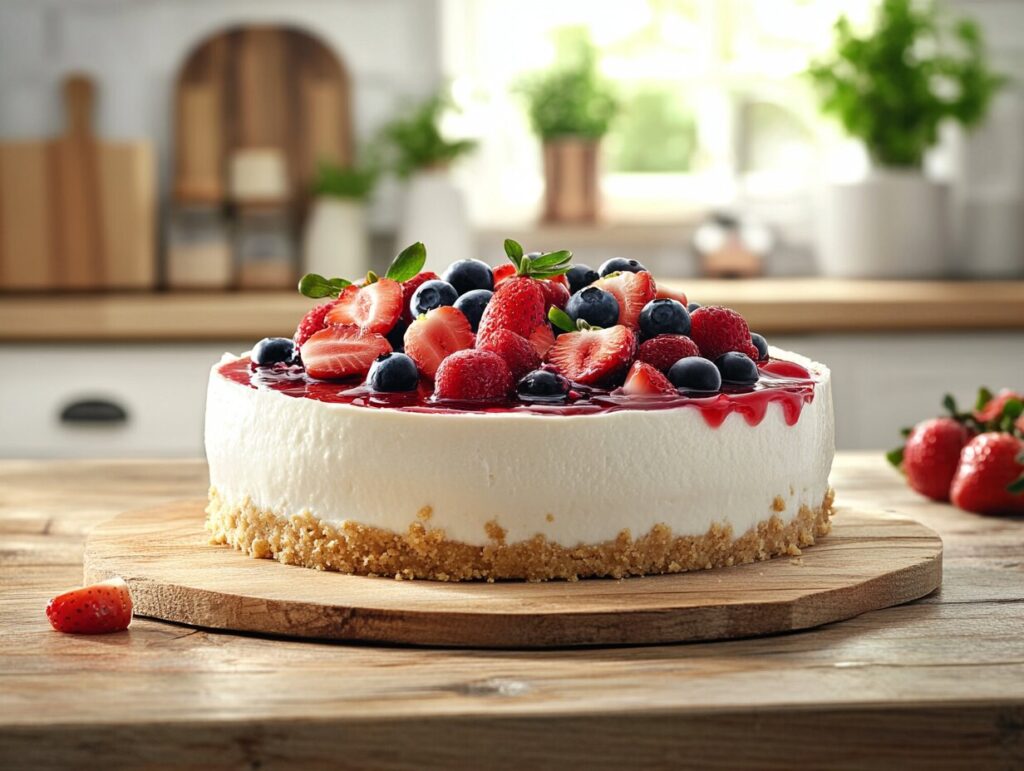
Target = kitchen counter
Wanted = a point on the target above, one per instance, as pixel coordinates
(771, 306)
(935, 684)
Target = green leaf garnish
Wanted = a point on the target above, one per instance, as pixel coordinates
(316, 286)
(1017, 486)
(1013, 409)
(895, 457)
(984, 397)
(561, 319)
(514, 250)
(550, 259)
(905, 432)
(408, 263)
(950, 404)
(371, 278)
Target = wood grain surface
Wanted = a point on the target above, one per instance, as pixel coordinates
(938, 683)
(871, 560)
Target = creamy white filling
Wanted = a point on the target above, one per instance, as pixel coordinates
(573, 479)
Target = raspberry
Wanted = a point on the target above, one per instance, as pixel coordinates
(663, 351)
(718, 330)
(312, 323)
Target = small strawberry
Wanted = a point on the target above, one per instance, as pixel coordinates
(672, 294)
(410, 286)
(342, 351)
(643, 379)
(633, 291)
(97, 609)
(990, 478)
(473, 375)
(433, 337)
(374, 307)
(931, 455)
(542, 338)
(519, 305)
(518, 353)
(663, 351)
(312, 322)
(594, 356)
(718, 330)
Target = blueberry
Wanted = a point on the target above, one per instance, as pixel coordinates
(472, 305)
(695, 373)
(595, 306)
(467, 275)
(737, 368)
(760, 344)
(620, 265)
(664, 317)
(273, 350)
(692, 307)
(393, 372)
(580, 276)
(543, 382)
(432, 294)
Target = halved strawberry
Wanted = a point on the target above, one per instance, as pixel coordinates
(643, 379)
(342, 351)
(593, 357)
(516, 350)
(430, 339)
(410, 286)
(633, 291)
(98, 609)
(672, 294)
(375, 307)
(519, 305)
(542, 338)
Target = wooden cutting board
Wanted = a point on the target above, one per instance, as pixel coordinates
(871, 560)
(27, 225)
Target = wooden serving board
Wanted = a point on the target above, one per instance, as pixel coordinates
(871, 560)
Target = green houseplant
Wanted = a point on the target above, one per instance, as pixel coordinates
(893, 87)
(335, 239)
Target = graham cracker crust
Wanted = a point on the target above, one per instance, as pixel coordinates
(425, 553)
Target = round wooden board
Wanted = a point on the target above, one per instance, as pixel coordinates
(870, 560)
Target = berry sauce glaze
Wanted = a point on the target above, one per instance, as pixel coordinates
(786, 383)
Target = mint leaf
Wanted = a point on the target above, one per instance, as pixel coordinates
(950, 404)
(905, 432)
(550, 259)
(514, 250)
(895, 457)
(1013, 409)
(984, 397)
(408, 263)
(561, 319)
(316, 286)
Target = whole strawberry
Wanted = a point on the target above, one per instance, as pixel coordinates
(931, 456)
(718, 330)
(990, 478)
(96, 609)
(518, 352)
(473, 375)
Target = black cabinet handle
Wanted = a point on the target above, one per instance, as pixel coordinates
(94, 411)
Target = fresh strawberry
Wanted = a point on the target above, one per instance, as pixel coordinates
(96, 609)
(555, 293)
(432, 338)
(643, 379)
(375, 307)
(503, 273)
(931, 455)
(999, 409)
(542, 338)
(633, 291)
(410, 286)
(342, 351)
(594, 356)
(312, 322)
(519, 305)
(672, 294)
(718, 330)
(990, 478)
(518, 353)
(663, 351)
(473, 375)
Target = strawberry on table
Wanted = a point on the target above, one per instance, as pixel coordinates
(433, 337)
(342, 351)
(663, 351)
(718, 330)
(518, 353)
(594, 356)
(632, 290)
(931, 456)
(644, 380)
(97, 609)
(990, 478)
(374, 307)
(473, 375)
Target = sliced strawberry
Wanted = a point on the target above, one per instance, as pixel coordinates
(503, 273)
(312, 322)
(473, 375)
(594, 357)
(342, 351)
(519, 305)
(643, 379)
(672, 294)
(518, 353)
(97, 609)
(633, 291)
(410, 286)
(376, 307)
(430, 339)
(542, 338)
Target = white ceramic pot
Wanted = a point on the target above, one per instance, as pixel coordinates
(435, 213)
(892, 224)
(336, 242)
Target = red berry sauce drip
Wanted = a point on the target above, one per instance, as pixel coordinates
(782, 382)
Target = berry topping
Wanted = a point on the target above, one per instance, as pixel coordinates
(633, 291)
(393, 372)
(580, 276)
(990, 478)
(737, 368)
(432, 294)
(467, 275)
(663, 351)
(273, 350)
(374, 307)
(594, 356)
(430, 339)
(668, 293)
(312, 322)
(718, 330)
(761, 345)
(409, 287)
(518, 304)
(789, 369)
(518, 353)
(664, 317)
(695, 373)
(594, 306)
(543, 384)
(473, 375)
(643, 379)
(96, 609)
(542, 338)
(342, 351)
(472, 305)
(620, 265)
(931, 455)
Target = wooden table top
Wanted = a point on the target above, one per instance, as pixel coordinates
(770, 305)
(938, 683)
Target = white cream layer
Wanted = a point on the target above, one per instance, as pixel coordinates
(595, 475)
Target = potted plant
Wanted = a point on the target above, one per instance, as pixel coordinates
(571, 108)
(336, 240)
(892, 88)
(434, 209)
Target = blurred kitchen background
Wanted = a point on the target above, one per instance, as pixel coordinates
(168, 168)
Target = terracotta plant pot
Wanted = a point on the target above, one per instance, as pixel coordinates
(571, 180)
